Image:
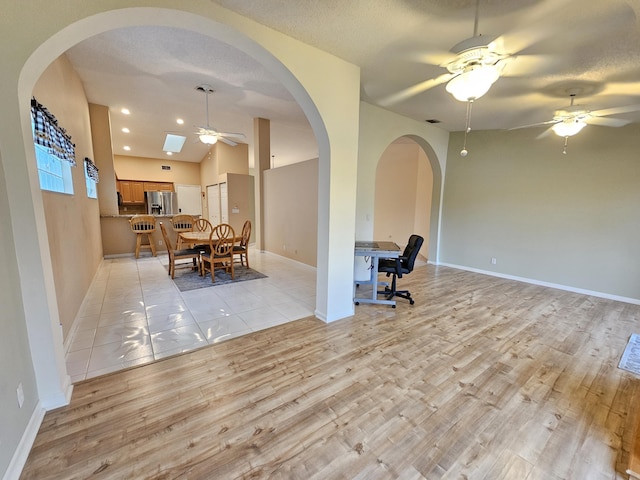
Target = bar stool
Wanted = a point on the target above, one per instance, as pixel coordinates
(143, 225)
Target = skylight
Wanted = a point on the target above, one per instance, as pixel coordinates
(173, 143)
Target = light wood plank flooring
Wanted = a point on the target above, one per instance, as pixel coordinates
(483, 378)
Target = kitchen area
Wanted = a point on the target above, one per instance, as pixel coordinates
(165, 188)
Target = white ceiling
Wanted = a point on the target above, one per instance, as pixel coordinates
(592, 45)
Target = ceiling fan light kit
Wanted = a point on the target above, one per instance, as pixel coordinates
(208, 139)
(473, 82)
(568, 127)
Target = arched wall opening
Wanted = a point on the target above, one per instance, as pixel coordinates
(41, 315)
(403, 195)
(378, 130)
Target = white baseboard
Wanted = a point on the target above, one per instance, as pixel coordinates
(24, 447)
(634, 301)
(287, 259)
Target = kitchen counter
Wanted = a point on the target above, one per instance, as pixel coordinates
(118, 240)
(134, 214)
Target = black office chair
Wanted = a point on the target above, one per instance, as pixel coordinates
(402, 265)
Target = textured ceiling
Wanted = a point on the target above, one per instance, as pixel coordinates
(558, 45)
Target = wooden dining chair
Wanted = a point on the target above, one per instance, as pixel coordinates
(202, 225)
(143, 226)
(189, 253)
(220, 251)
(181, 223)
(242, 249)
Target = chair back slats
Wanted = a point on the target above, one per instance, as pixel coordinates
(246, 233)
(182, 222)
(221, 240)
(202, 225)
(143, 223)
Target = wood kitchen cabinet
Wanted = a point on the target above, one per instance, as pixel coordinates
(132, 192)
(158, 187)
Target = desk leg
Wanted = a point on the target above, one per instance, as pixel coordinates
(373, 281)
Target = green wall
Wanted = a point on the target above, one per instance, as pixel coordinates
(572, 220)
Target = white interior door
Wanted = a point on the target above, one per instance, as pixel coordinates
(224, 204)
(213, 204)
(189, 199)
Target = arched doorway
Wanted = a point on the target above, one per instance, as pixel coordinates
(40, 313)
(403, 194)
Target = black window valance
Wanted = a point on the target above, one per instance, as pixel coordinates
(50, 135)
(92, 170)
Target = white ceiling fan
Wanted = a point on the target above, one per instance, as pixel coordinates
(475, 64)
(570, 120)
(208, 134)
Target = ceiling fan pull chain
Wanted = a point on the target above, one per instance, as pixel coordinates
(566, 142)
(467, 128)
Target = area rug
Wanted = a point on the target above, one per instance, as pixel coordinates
(630, 360)
(187, 279)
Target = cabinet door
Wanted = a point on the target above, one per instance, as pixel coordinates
(150, 187)
(126, 192)
(165, 187)
(137, 190)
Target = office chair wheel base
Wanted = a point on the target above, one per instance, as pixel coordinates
(357, 303)
(393, 306)
(411, 302)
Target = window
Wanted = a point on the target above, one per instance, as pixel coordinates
(91, 178)
(55, 153)
(54, 174)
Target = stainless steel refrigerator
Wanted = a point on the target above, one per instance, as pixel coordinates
(162, 203)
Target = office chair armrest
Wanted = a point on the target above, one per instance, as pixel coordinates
(399, 267)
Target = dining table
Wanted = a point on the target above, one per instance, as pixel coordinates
(200, 238)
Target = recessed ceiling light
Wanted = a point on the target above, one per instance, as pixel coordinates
(180, 121)
(125, 130)
(125, 111)
(127, 147)
(169, 153)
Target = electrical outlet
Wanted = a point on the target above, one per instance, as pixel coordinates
(494, 260)
(160, 242)
(20, 393)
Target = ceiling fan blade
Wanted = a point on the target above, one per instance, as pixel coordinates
(607, 122)
(415, 89)
(546, 133)
(434, 57)
(539, 124)
(616, 110)
(527, 65)
(227, 141)
(538, 27)
(240, 136)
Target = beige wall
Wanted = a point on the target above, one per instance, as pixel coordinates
(379, 129)
(150, 169)
(291, 211)
(73, 222)
(241, 201)
(571, 220)
(404, 184)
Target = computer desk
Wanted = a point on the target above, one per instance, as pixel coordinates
(375, 250)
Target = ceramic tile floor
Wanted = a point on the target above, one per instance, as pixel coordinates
(134, 314)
